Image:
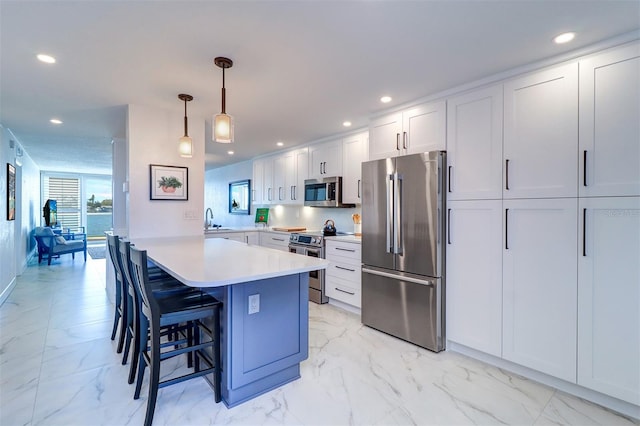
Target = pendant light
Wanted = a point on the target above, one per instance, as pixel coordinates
(223, 123)
(185, 143)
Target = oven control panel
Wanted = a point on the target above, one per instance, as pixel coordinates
(306, 239)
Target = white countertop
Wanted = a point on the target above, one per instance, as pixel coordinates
(211, 231)
(345, 238)
(215, 262)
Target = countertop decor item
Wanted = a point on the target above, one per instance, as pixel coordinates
(357, 224)
(262, 215)
(168, 183)
(223, 123)
(329, 229)
(185, 143)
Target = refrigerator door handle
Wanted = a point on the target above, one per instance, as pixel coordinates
(389, 224)
(427, 282)
(397, 219)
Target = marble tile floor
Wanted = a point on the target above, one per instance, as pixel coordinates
(59, 367)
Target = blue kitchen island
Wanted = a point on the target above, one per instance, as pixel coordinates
(265, 315)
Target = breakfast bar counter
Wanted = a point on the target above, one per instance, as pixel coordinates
(265, 315)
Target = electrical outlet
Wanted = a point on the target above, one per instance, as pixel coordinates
(254, 304)
(190, 215)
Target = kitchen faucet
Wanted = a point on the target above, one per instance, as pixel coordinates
(208, 216)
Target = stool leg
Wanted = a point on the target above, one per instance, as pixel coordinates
(116, 315)
(128, 326)
(143, 342)
(154, 373)
(123, 325)
(136, 343)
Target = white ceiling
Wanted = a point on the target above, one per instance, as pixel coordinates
(300, 67)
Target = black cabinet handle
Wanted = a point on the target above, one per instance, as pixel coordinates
(507, 175)
(404, 140)
(345, 291)
(584, 168)
(449, 226)
(343, 249)
(584, 231)
(397, 141)
(506, 229)
(358, 188)
(449, 178)
(344, 269)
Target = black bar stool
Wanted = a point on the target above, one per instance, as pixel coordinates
(121, 302)
(162, 285)
(190, 309)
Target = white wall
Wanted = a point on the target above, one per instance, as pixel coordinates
(16, 243)
(152, 138)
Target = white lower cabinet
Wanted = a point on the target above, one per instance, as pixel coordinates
(276, 240)
(474, 275)
(344, 274)
(609, 296)
(250, 237)
(540, 285)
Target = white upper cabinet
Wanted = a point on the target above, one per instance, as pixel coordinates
(609, 296)
(541, 134)
(325, 159)
(257, 186)
(610, 123)
(301, 168)
(474, 274)
(415, 130)
(268, 192)
(354, 153)
(540, 285)
(474, 145)
(280, 175)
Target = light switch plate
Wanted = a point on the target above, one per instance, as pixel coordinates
(254, 304)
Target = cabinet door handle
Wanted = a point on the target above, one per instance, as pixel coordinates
(344, 269)
(269, 194)
(584, 168)
(358, 188)
(321, 167)
(584, 231)
(404, 140)
(449, 178)
(345, 291)
(246, 239)
(449, 226)
(506, 175)
(253, 195)
(344, 249)
(277, 239)
(397, 141)
(506, 229)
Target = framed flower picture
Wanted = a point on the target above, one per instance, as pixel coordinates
(168, 183)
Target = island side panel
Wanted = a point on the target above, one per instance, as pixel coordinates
(262, 351)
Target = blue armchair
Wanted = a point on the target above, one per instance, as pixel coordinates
(52, 245)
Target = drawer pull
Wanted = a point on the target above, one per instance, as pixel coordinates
(277, 239)
(343, 249)
(344, 269)
(345, 291)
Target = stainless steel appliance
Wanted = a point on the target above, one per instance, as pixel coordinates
(311, 244)
(403, 277)
(325, 192)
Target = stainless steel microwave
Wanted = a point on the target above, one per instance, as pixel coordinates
(325, 192)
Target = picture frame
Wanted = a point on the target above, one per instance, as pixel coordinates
(11, 192)
(169, 183)
(239, 197)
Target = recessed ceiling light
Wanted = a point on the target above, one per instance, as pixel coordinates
(347, 124)
(55, 121)
(280, 143)
(46, 59)
(230, 152)
(564, 38)
(385, 99)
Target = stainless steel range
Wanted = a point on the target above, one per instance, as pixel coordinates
(311, 244)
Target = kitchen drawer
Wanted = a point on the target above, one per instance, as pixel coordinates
(339, 289)
(275, 240)
(343, 250)
(346, 271)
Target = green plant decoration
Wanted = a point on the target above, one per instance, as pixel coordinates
(169, 182)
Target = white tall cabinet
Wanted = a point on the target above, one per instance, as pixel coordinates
(610, 123)
(474, 274)
(609, 296)
(474, 145)
(541, 134)
(419, 129)
(540, 285)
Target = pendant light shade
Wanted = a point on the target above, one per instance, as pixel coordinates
(223, 123)
(185, 143)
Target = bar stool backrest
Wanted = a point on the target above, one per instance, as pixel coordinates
(115, 259)
(141, 278)
(125, 259)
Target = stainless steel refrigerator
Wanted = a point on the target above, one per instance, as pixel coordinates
(403, 219)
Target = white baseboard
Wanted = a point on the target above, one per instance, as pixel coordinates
(7, 291)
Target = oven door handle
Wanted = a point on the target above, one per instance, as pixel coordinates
(312, 250)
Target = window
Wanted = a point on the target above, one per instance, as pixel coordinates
(66, 191)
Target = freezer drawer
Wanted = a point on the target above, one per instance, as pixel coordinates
(407, 307)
